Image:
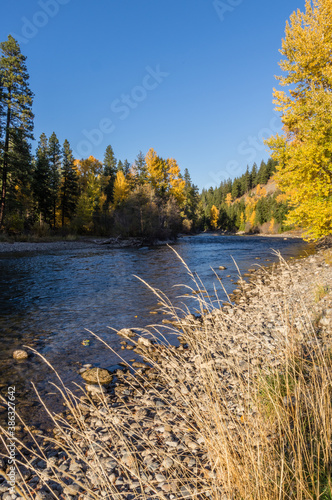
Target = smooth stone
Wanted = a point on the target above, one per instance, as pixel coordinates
(97, 376)
(95, 389)
(20, 354)
(167, 463)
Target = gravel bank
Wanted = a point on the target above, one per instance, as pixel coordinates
(142, 437)
(23, 247)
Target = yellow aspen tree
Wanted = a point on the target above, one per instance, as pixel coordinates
(252, 219)
(304, 151)
(228, 199)
(214, 216)
(177, 184)
(157, 171)
(272, 225)
(121, 188)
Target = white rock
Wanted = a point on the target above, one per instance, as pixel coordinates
(20, 354)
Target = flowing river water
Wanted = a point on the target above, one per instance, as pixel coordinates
(50, 300)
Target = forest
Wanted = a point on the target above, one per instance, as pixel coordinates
(51, 192)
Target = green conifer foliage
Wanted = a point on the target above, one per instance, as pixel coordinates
(16, 103)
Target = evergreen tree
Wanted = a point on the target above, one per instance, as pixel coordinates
(126, 167)
(254, 176)
(263, 174)
(109, 172)
(69, 185)
(236, 189)
(247, 181)
(54, 153)
(16, 102)
(141, 169)
(42, 180)
(19, 187)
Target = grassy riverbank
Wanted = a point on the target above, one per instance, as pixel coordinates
(242, 409)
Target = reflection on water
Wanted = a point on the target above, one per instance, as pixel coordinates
(50, 299)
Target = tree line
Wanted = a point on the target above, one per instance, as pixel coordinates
(150, 197)
(51, 190)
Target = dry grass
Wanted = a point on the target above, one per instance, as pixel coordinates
(265, 432)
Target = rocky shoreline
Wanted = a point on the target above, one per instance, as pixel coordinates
(54, 246)
(145, 435)
(58, 245)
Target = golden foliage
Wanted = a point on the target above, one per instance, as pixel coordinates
(272, 225)
(177, 184)
(214, 216)
(304, 152)
(252, 218)
(165, 176)
(228, 199)
(121, 188)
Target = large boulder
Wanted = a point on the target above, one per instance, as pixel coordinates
(97, 376)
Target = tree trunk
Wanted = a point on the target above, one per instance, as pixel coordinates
(5, 166)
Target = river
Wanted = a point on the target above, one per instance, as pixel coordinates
(50, 299)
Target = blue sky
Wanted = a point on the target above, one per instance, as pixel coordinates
(191, 78)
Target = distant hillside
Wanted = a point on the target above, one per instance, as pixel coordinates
(251, 203)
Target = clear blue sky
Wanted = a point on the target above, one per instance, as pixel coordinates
(191, 78)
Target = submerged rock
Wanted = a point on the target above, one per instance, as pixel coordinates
(97, 376)
(20, 354)
(126, 333)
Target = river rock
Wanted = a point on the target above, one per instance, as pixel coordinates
(94, 389)
(97, 376)
(20, 354)
(126, 333)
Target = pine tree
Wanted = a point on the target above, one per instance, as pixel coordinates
(263, 174)
(254, 176)
(126, 167)
(42, 180)
(236, 189)
(54, 154)
(19, 187)
(110, 169)
(304, 152)
(140, 168)
(16, 102)
(69, 184)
